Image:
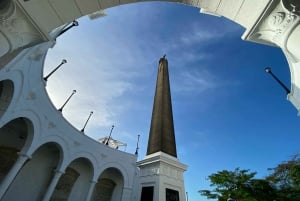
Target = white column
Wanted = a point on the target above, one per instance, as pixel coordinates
(13, 173)
(126, 195)
(52, 185)
(91, 189)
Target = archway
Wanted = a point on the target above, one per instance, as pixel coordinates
(73, 185)
(35, 176)
(13, 137)
(6, 94)
(110, 186)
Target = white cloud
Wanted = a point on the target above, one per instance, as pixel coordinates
(115, 63)
(99, 84)
(197, 36)
(195, 82)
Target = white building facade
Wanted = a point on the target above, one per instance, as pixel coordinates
(42, 156)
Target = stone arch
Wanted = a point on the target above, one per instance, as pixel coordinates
(253, 16)
(14, 136)
(74, 183)
(77, 8)
(63, 147)
(86, 155)
(6, 7)
(33, 125)
(119, 167)
(109, 186)
(36, 174)
(6, 95)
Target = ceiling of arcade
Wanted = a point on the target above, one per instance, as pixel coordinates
(62, 12)
(24, 23)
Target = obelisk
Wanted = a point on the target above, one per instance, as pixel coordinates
(161, 173)
(162, 135)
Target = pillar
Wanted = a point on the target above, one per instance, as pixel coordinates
(13, 173)
(52, 185)
(126, 195)
(91, 189)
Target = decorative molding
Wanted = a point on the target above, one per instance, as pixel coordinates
(276, 19)
(36, 55)
(76, 143)
(280, 21)
(51, 125)
(194, 3)
(8, 11)
(31, 96)
(17, 31)
(274, 25)
(103, 156)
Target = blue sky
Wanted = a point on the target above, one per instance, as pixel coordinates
(227, 111)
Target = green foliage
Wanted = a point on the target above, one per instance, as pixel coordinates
(283, 184)
(286, 178)
(238, 185)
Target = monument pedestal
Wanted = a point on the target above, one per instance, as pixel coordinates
(161, 177)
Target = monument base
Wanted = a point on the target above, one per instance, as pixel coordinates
(161, 177)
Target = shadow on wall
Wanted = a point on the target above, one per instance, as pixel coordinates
(74, 183)
(65, 184)
(13, 137)
(110, 185)
(36, 174)
(6, 95)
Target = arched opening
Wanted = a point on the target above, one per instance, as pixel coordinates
(74, 184)
(6, 94)
(7, 8)
(110, 186)
(13, 137)
(33, 179)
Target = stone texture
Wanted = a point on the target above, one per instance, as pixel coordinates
(162, 135)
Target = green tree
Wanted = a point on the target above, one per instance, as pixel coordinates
(283, 184)
(239, 185)
(286, 178)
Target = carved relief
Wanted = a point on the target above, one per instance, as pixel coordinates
(155, 170)
(19, 31)
(36, 55)
(103, 156)
(282, 21)
(274, 27)
(51, 125)
(191, 2)
(16, 30)
(31, 96)
(76, 143)
(276, 19)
